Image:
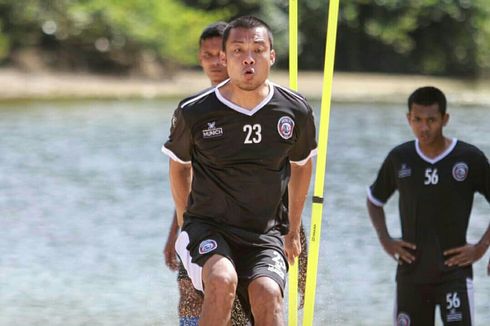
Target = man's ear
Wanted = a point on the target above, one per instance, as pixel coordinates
(445, 119)
(222, 57)
(273, 57)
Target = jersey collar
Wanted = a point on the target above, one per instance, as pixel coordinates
(240, 109)
(437, 158)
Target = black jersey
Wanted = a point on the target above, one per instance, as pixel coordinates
(241, 158)
(436, 197)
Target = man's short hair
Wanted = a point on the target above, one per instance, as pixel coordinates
(428, 95)
(213, 30)
(246, 22)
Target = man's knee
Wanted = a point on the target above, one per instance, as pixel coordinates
(220, 278)
(265, 292)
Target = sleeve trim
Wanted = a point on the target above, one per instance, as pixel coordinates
(172, 155)
(304, 161)
(373, 199)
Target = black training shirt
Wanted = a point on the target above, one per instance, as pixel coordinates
(436, 197)
(241, 158)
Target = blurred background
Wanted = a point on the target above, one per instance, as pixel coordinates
(87, 90)
(155, 38)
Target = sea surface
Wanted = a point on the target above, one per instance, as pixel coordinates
(85, 209)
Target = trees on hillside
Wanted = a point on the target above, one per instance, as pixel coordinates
(442, 37)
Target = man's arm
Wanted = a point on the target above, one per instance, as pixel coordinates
(180, 184)
(298, 186)
(469, 253)
(395, 248)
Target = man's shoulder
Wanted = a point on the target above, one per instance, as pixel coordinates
(404, 148)
(468, 148)
(198, 99)
(287, 94)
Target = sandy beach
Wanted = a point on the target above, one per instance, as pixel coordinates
(347, 87)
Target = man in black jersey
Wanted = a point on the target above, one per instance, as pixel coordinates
(436, 178)
(190, 301)
(246, 141)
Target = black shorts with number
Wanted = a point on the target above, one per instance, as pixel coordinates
(253, 255)
(415, 303)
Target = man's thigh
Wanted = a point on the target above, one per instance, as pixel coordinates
(414, 305)
(455, 299)
(195, 245)
(259, 262)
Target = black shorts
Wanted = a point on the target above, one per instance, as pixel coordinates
(415, 303)
(253, 255)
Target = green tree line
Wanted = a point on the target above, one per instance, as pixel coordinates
(156, 37)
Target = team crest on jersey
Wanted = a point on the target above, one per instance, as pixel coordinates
(207, 246)
(285, 127)
(460, 171)
(212, 131)
(404, 171)
(403, 319)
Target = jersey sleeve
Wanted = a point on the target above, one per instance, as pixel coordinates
(384, 185)
(305, 146)
(483, 180)
(179, 143)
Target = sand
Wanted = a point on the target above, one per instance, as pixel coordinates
(347, 87)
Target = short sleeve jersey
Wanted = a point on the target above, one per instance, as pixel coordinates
(435, 201)
(241, 158)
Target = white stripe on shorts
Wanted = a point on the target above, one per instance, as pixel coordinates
(471, 299)
(193, 270)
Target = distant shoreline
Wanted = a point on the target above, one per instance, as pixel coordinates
(347, 87)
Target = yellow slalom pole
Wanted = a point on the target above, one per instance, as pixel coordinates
(293, 84)
(317, 206)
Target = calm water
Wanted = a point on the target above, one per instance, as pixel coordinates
(85, 208)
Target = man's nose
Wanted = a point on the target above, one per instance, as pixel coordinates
(248, 60)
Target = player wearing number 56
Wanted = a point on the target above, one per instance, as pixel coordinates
(436, 178)
(248, 143)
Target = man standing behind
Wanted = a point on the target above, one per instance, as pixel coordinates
(210, 45)
(436, 178)
(246, 141)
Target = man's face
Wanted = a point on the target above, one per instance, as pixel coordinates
(248, 57)
(209, 58)
(427, 122)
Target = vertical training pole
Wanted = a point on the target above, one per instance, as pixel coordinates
(293, 84)
(317, 206)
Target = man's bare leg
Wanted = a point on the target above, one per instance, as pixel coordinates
(220, 282)
(266, 302)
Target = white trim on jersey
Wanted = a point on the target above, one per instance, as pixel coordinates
(238, 108)
(172, 155)
(440, 156)
(209, 91)
(374, 200)
(193, 270)
(313, 152)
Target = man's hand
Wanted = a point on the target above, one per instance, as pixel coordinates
(170, 254)
(464, 256)
(169, 249)
(292, 245)
(399, 249)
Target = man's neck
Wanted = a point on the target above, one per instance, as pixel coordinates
(436, 148)
(244, 98)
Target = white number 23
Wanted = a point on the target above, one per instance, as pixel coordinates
(254, 134)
